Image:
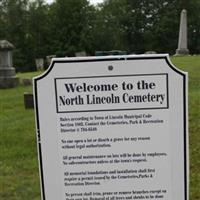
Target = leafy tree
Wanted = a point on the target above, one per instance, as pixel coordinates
(70, 23)
(194, 26)
(38, 31)
(67, 26)
(15, 23)
(108, 32)
(140, 25)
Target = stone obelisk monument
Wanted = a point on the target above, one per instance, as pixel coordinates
(8, 77)
(182, 42)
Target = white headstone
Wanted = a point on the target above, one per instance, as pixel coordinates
(39, 64)
(111, 128)
(182, 42)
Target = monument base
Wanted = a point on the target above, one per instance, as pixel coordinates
(7, 72)
(182, 52)
(8, 82)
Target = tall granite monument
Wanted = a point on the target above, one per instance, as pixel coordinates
(8, 77)
(182, 42)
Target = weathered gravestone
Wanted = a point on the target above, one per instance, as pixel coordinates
(81, 54)
(39, 64)
(182, 41)
(112, 128)
(28, 100)
(49, 58)
(8, 77)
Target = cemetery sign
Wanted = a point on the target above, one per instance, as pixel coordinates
(112, 128)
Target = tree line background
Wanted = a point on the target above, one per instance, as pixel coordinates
(38, 29)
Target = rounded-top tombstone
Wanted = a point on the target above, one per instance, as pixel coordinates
(8, 77)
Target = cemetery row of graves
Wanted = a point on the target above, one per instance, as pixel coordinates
(63, 28)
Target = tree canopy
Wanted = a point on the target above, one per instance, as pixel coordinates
(38, 29)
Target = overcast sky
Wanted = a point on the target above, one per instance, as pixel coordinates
(91, 1)
(95, 1)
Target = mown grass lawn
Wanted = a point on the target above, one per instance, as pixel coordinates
(192, 66)
(19, 179)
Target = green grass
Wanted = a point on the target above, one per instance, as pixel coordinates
(28, 74)
(19, 179)
(18, 156)
(192, 65)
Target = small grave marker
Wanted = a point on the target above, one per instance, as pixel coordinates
(39, 64)
(28, 100)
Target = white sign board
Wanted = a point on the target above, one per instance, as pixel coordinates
(112, 128)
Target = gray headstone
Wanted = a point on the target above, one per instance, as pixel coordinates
(150, 52)
(8, 78)
(81, 54)
(39, 64)
(182, 42)
(49, 58)
(26, 81)
(28, 100)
